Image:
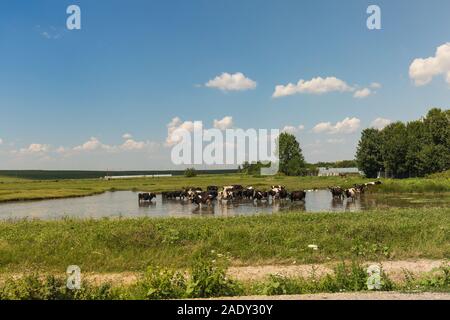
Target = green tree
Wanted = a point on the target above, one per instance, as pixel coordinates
(417, 140)
(368, 154)
(292, 162)
(436, 150)
(394, 149)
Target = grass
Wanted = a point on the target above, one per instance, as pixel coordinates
(118, 245)
(12, 189)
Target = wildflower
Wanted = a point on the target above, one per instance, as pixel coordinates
(313, 246)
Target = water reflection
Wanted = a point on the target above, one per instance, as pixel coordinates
(125, 204)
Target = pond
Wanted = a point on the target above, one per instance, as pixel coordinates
(125, 204)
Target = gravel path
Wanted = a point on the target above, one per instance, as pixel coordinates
(352, 296)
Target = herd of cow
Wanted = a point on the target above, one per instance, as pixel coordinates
(351, 193)
(237, 192)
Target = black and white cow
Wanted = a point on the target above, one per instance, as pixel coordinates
(260, 195)
(202, 198)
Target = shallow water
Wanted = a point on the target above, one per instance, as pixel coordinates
(125, 204)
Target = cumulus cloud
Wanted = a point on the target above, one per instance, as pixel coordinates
(362, 93)
(348, 125)
(127, 136)
(422, 71)
(317, 85)
(224, 123)
(292, 129)
(380, 123)
(375, 85)
(172, 136)
(131, 144)
(92, 144)
(231, 82)
(34, 148)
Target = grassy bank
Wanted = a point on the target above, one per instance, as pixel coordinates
(116, 245)
(22, 189)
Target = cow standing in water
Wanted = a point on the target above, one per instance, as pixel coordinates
(337, 192)
(298, 195)
(202, 198)
(278, 192)
(146, 197)
(351, 193)
(260, 195)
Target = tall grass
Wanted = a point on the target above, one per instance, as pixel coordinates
(115, 245)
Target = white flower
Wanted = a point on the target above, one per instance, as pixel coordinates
(313, 246)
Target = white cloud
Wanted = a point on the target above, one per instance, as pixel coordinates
(34, 148)
(375, 85)
(1, 141)
(422, 71)
(172, 127)
(363, 93)
(131, 144)
(231, 82)
(348, 125)
(335, 141)
(292, 129)
(127, 136)
(314, 86)
(92, 144)
(380, 123)
(225, 123)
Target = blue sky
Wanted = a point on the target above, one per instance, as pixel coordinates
(68, 97)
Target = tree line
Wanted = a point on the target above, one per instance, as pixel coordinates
(403, 150)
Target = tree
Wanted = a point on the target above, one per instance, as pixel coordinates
(368, 154)
(413, 150)
(292, 162)
(436, 153)
(417, 139)
(394, 150)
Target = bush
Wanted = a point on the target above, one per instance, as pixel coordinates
(33, 287)
(208, 279)
(190, 172)
(162, 284)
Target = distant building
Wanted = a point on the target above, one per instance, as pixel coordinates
(332, 172)
(137, 176)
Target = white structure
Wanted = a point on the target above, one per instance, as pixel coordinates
(331, 172)
(137, 176)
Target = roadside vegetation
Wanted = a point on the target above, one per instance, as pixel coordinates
(207, 278)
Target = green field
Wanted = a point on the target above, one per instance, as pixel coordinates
(25, 189)
(118, 245)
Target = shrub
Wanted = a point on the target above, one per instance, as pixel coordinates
(190, 172)
(33, 287)
(161, 283)
(208, 279)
